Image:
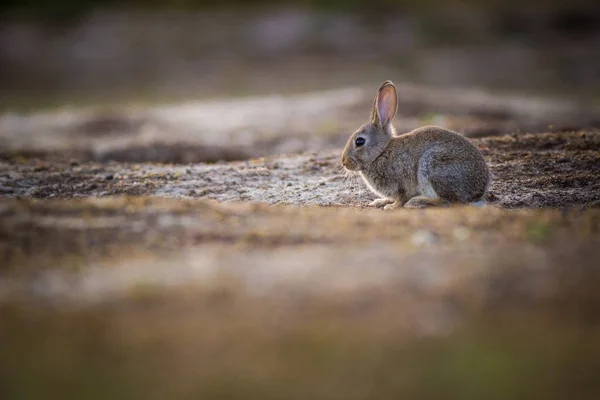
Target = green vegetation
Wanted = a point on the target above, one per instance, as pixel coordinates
(539, 231)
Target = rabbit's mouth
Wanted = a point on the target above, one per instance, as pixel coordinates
(349, 164)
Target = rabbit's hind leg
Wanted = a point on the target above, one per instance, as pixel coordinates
(426, 196)
(424, 201)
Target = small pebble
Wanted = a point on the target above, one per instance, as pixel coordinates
(423, 238)
(461, 233)
(6, 190)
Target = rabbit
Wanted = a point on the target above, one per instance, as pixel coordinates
(429, 166)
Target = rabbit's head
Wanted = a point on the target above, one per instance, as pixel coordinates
(366, 144)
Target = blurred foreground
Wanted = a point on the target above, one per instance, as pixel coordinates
(157, 298)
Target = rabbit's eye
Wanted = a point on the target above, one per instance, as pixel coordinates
(359, 141)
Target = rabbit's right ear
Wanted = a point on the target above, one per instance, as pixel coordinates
(385, 104)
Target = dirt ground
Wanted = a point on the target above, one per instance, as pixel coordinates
(261, 273)
(531, 170)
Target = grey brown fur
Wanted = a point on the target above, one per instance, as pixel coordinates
(429, 166)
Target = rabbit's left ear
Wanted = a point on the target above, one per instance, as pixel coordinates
(385, 105)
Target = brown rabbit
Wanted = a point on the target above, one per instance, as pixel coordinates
(426, 167)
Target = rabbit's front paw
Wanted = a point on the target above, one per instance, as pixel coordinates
(394, 205)
(380, 203)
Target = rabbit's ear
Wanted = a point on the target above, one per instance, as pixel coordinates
(385, 105)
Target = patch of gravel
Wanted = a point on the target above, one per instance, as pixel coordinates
(537, 170)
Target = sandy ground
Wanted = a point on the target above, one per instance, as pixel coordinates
(268, 277)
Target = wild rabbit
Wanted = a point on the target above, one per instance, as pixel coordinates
(429, 166)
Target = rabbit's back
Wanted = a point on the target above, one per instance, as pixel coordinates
(426, 137)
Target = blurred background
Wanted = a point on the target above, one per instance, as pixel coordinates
(89, 51)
